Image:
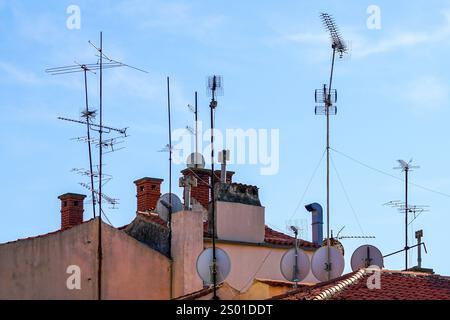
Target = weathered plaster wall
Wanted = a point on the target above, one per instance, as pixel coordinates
(36, 268)
(131, 269)
(187, 244)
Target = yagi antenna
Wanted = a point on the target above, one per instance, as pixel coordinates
(336, 39)
(87, 114)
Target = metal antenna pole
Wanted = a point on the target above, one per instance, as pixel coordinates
(100, 253)
(169, 222)
(328, 105)
(170, 163)
(406, 217)
(213, 218)
(89, 141)
(196, 128)
(329, 96)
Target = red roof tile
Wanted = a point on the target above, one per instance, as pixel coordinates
(395, 285)
(276, 237)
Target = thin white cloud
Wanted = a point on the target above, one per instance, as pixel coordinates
(427, 93)
(362, 47)
(16, 74)
(174, 17)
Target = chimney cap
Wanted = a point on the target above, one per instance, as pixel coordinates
(72, 195)
(148, 179)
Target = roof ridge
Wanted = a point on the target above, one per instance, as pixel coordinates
(338, 287)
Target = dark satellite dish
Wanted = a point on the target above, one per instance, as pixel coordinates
(163, 205)
(204, 265)
(288, 265)
(366, 256)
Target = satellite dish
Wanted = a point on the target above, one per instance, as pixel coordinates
(204, 265)
(195, 160)
(163, 204)
(319, 263)
(366, 256)
(287, 265)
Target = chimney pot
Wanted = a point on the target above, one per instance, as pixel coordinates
(71, 209)
(148, 191)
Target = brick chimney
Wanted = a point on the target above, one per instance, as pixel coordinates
(201, 193)
(218, 173)
(148, 191)
(71, 209)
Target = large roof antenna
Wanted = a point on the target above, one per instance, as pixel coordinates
(100, 128)
(87, 114)
(407, 208)
(215, 88)
(326, 97)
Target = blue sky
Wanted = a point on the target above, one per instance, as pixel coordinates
(393, 104)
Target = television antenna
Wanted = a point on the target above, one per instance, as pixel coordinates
(100, 128)
(406, 167)
(87, 114)
(327, 96)
(215, 88)
(338, 237)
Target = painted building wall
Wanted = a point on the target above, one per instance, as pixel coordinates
(252, 261)
(35, 268)
(131, 269)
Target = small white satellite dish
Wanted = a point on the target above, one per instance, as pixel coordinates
(163, 204)
(195, 160)
(205, 265)
(366, 256)
(288, 265)
(319, 265)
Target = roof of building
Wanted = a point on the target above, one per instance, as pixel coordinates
(46, 234)
(198, 294)
(271, 236)
(394, 285)
(277, 283)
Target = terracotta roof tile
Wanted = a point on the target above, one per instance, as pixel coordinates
(395, 285)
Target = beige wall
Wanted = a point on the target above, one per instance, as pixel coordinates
(240, 222)
(36, 268)
(187, 244)
(131, 269)
(263, 291)
(251, 261)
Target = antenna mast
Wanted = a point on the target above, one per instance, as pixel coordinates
(214, 86)
(328, 96)
(406, 208)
